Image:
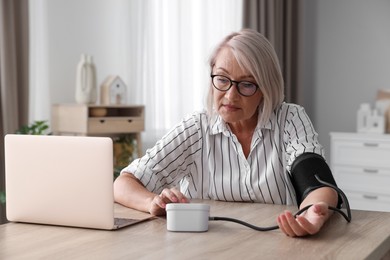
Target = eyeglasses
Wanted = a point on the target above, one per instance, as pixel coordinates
(223, 83)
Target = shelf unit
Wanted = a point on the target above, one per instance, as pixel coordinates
(99, 120)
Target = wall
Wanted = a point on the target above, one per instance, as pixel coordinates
(351, 61)
(74, 29)
(60, 31)
(345, 53)
(143, 41)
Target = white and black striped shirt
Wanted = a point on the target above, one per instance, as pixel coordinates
(206, 160)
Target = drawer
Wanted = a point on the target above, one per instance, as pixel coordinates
(364, 179)
(115, 125)
(361, 153)
(368, 201)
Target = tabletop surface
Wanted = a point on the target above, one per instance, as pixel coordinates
(366, 237)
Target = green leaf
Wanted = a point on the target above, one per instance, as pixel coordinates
(2, 197)
(38, 127)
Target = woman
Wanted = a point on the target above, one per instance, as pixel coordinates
(241, 149)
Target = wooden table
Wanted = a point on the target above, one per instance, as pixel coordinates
(366, 237)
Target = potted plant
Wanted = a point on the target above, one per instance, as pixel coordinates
(35, 128)
(125, 151)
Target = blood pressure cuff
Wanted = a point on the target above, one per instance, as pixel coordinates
(303, 170)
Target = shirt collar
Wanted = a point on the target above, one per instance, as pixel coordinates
(217, 125)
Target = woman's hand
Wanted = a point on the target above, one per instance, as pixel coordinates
(173, 195)
(308, 223)
(130, 192)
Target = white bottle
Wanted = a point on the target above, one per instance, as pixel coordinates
(363, 118)
(92, 67)
(86, 89)
(377, 122)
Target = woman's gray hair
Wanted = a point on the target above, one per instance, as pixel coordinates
(255, 54)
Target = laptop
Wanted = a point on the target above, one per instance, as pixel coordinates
(61, 180)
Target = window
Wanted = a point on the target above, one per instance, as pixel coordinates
(160, 49)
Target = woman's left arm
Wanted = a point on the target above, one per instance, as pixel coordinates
(311, 221)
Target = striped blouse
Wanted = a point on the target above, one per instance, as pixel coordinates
(204, 158)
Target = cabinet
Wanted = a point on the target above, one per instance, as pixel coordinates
(117, 121)
(361, 167)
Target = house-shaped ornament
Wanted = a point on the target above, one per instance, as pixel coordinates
(113, 91)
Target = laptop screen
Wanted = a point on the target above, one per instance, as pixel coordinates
(60, 180)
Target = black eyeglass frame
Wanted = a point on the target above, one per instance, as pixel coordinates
(231, 84)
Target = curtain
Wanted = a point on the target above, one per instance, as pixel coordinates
(13, 73)
(169, 50)
(279, 21)
(160, 49)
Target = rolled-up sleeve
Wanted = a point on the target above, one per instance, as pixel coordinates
(170, 160)
(299, 135)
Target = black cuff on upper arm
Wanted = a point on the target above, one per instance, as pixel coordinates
(303, 170)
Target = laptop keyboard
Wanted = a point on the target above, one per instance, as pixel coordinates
(124, 221)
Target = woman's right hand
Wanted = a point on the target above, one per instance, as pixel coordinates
(130, 192)
(159, 202)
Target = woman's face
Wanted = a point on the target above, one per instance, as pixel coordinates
(231, 105)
